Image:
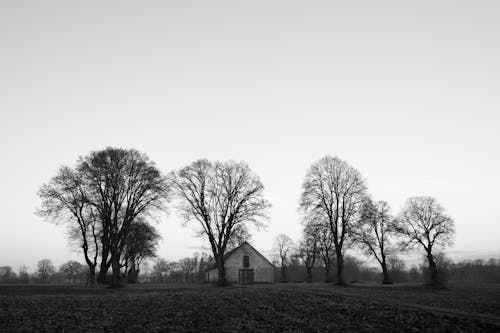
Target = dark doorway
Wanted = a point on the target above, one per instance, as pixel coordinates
(245, 276)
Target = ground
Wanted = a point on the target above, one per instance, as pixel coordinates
(277, 307)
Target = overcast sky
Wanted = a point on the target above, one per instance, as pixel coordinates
(405, 91)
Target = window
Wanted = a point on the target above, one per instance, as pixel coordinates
(246, 261)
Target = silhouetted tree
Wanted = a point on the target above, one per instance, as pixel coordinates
(160, 270)
(102, 196)
(7, 275)
(220, 197)
(140, 244)
(122, 185)
(397, 268)
(424, 222)
(205, 261)
(283, 249)
(240, 235)
(334, 191)
(372, 233)
(320, 227)
(66, 199)
(326, 247)
(45, 269)
(189, 267)
(72, 271)
(24, 276)
(308, 249)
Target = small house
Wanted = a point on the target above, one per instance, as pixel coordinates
(244, 265)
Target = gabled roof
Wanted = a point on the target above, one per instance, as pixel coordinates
(230, 253)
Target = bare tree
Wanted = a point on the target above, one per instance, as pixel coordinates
(308, 249)
(122, 185)
(160, 270)
(101, 197)
(65, 199)
(72, 270)
(372, 233)
(24, 276)
(204, 262)
(189, 267)
(424, 222)
(140, 244)
(7, 275)
(241, 234)
(283, 248)
(326, 248)
(334, 191)
(221, 197)
(45, 269)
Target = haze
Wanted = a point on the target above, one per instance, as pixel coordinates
(406, 92)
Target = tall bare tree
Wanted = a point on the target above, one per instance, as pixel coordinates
(283, 248)
(123, 184)
(372, 233)
(101, 198)
(424, 222)
(222, 198)
(65, 200)
(334, 191)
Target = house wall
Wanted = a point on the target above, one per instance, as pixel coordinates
(263, 271)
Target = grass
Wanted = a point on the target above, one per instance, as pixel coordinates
(279, 307)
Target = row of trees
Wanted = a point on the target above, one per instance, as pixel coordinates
(106, 202)
(339, 214)
(192, 270)
(70, 272)
(110, 198)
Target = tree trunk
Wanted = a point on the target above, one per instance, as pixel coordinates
(91, 265)
(385, 272)
(91, 276)
(103, 270)
(221, 279)
(340, 269)
(133, 273)
(327, 273)
(283, 274)
(309, 274)
(115, 265)
(432, 269)
(104, 267)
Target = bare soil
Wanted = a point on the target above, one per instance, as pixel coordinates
(257, 308)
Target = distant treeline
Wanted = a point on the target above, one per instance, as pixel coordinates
(71, 272)
(464, 272)
(192, 270)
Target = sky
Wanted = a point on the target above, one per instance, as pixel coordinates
(407, 92)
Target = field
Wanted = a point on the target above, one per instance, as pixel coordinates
(279, 307)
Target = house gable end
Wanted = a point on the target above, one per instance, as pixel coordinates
(245, 247)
